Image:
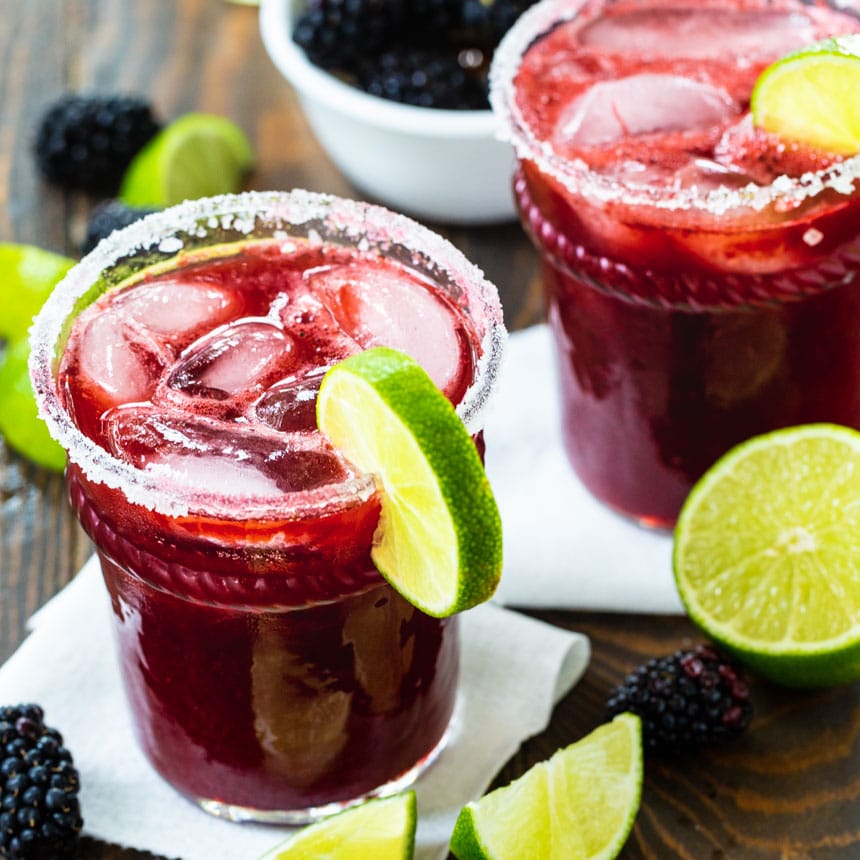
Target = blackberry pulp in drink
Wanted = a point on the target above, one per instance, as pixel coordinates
(698, 271)
(272, 673)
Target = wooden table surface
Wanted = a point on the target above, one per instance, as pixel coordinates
(790, 788)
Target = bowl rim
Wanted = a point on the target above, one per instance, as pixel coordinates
(314, 83)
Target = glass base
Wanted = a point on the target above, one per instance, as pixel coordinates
(314, 813)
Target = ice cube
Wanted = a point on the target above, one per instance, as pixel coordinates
(177, 312)
(118, 360)
(699, 33)
(290, 405)
(639, 104)
(237, 360)
(218, 457)
(378, 306)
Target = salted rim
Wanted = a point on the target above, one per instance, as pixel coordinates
(576, 176)
(333, 219)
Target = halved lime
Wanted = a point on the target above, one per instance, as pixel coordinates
(381, 829)
(197, 155)
(27, 276)
(578, 805)
(439, 538)
(813, 96)
(767, 554)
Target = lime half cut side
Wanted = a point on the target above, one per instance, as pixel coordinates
(767, 554)
(197, 155)
(578, 805)
(439, 538)
(812, 96)
(382, 829)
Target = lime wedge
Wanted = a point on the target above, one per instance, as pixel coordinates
(767, 559)
(578, 805)
(20, 423)
(439, 538)
(27, 276)
(197, 155)
(382, 829)
(811, 96)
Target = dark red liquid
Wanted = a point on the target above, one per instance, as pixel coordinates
(682, 332)
(268, 665)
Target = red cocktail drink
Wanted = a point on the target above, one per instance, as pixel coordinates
(272, 674)
(698, 271)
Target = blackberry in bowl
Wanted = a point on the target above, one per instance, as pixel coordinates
(395, 92)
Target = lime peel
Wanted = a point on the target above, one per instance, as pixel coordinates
(765, 556)
(439, 538)
(810, 96)
(382, 828)
(578, 805)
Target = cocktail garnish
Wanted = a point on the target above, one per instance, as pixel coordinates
(439, 539)
(812, 96)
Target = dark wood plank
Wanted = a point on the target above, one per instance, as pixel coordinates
(789, 789)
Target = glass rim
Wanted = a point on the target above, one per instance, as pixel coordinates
(578, 178)
(362, 224)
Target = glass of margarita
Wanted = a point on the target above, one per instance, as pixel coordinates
(699, 272)
(272, 674)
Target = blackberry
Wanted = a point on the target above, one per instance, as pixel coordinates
(87, 141)
(337, 34)
(487, 22)
(424, 79)
(39, 812)
(108, 216)
(689, 699)
(431, 22)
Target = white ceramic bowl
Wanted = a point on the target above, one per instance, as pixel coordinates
(440, 165)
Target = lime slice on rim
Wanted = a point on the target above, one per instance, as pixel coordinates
(767, 559)
(439, 538)
(811, 96)
(382, 829)
(197, 155)
(578, 805)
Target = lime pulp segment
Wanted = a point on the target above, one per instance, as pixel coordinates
(767, 557)
(811, 96)
(439, 538)
(578, 805)
(382, 829)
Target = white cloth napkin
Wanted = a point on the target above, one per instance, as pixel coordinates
(563, 549)
(514, 670)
